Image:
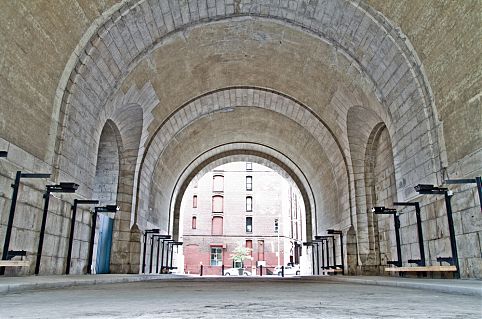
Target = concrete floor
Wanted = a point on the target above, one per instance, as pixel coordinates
(238, 298)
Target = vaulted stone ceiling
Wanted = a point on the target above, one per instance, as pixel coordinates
(310, 80)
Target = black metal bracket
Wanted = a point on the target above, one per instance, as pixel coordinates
(419, 262)
(449, 260)
(15, 253)
(394, 262)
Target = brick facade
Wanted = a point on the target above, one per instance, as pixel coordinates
(273, 199)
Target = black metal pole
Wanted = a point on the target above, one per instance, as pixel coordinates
(71, 237)
(172, 256)
(42, 231)
(342, 253)
(167, 258)
(318, 259)
(313, 259)
(327, 247)
(91, 242)
(323, 255)
(162, 257)
(478, 180)
(8, 233)
(420, 234)
(157, 256)
(144, 254)
(453, 242)
(201, 270)
(152, 254)
(334, 253)
(396, 220)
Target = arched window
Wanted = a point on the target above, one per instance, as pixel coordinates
(249, 204)
(193, 222)
(249, 183)
(217, 204)
(249, 224)
(194, 201)
(218, 183)
(217, 225)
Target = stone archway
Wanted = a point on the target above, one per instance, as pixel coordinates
(365, 49)
(377, 51)
(254, 153)
(244, 99)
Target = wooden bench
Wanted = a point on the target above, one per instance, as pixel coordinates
(331, 270)
(14, 263)
(422, 269)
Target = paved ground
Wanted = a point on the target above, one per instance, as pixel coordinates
(238, 298)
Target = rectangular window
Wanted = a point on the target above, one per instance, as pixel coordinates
(261, 250)
(218, 183)
(217, 204)
(217, 225)
(249, 166)
(216, 256)
(249, 224)
(249, 246)
(249, 183)
(194, 201)
(193, 222)
(276, 225)
(249, 204)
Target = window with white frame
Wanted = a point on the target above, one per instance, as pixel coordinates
(216, 256)
(249, 183)
(249, 204)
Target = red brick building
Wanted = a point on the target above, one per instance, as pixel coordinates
(241, 204)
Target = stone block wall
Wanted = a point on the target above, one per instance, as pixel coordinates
(28, 218)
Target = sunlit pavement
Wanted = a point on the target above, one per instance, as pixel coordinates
(238, 297)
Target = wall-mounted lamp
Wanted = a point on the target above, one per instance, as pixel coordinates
(380, 210)
(147, 231)
(72, 226)
(13, 205)
(59, 188)
(340, 233)
(477, 180)
(427, 189)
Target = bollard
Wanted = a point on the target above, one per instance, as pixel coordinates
(222, 270)
(282, 271)
(261, 270)
(201, 270)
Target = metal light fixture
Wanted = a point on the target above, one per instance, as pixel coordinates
(165, 243)
(340, 233)
(379, 210)
(72, 226)
(172, 244)
(427, 189)
(60, 188)
(98, 209)
(324, 242)
(383, 210)
(147, 231)
(13, 205)
(477, 180)
(421, 261)
(158, 237)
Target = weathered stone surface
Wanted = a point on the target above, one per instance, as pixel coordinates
(362, 100)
